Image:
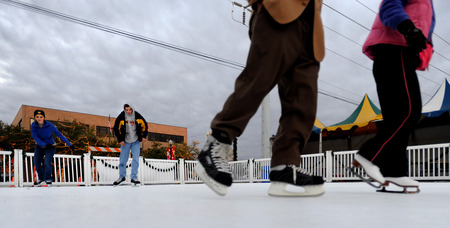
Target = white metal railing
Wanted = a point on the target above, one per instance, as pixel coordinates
(6, 166)
(427, 162)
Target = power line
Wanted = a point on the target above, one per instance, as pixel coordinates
(115, 31)
(431, 65)
(136, 37)
(434, 34)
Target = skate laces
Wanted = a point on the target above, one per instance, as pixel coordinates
(220, 154)
(296, 169)
(119, 180)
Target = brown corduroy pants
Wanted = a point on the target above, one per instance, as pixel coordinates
(280, 54)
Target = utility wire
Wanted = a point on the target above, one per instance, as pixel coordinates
(115, 31)
(136, 37)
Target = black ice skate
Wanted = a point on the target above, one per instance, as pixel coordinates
(38, 183)
(135, 183)
(212, 166)
(293, 176)
(119, 181)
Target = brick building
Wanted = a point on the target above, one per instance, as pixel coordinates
(156, 132)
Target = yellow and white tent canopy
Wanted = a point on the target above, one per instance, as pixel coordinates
(362, 116)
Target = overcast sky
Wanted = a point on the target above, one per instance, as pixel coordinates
(52, 63)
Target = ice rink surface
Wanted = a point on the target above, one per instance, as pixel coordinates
(353, 204)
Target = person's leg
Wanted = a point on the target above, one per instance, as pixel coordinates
(135, 152)
(38, 159)
(298, 96)
(272, 53)
(124, 155)
(49, 153)
(400, 102)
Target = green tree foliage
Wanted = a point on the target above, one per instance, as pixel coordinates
(187, 152)
(14, 137)
(156, 151)
(82, 136)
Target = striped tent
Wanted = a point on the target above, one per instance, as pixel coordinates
(439, 103)
(318, 126)
(365, 113)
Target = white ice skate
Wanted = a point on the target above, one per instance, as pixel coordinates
(409, 185)
(371, 170)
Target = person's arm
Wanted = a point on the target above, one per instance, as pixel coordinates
(60, 135)
(392, 13)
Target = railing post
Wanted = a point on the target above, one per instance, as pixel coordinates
(329, 165)
(18, 168)
(141, 169)
(250, 169)
(87, 168)
(181, 170)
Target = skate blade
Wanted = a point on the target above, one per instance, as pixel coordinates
(406, 190)
(289, 190)
(409, 189)
(217, 187)
(370, 181)
(136, 185)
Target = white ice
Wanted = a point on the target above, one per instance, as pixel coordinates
(246, 205)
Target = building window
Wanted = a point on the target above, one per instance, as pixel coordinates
(164, 137)
(104, 131)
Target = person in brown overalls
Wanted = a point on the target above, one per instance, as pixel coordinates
(287, 45)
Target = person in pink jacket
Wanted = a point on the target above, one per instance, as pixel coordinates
(399, 44)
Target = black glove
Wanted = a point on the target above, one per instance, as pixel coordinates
(414, 36)
(72, 148)
(48, 146)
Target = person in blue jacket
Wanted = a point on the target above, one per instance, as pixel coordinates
(42, 132)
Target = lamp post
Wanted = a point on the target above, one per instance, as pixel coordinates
(170, 155)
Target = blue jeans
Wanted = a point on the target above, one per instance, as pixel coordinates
(44, 170)
(124, 154)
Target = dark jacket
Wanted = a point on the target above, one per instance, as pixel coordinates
(120, 128)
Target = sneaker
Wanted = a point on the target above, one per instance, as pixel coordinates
(309, 185)
(135, 183)
(47, 184)
(119, 181)
(213, 166)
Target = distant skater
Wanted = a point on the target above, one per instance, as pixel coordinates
(42, 132)
(287, 45)
(130, 129)
(399, 43)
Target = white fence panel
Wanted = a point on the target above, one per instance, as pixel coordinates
(67, 170)
(429, 162)
(261, 169)
(105, 170)
(189, 175)
(6, 168)
(240, 171)
(426, 162)
(157, 171)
